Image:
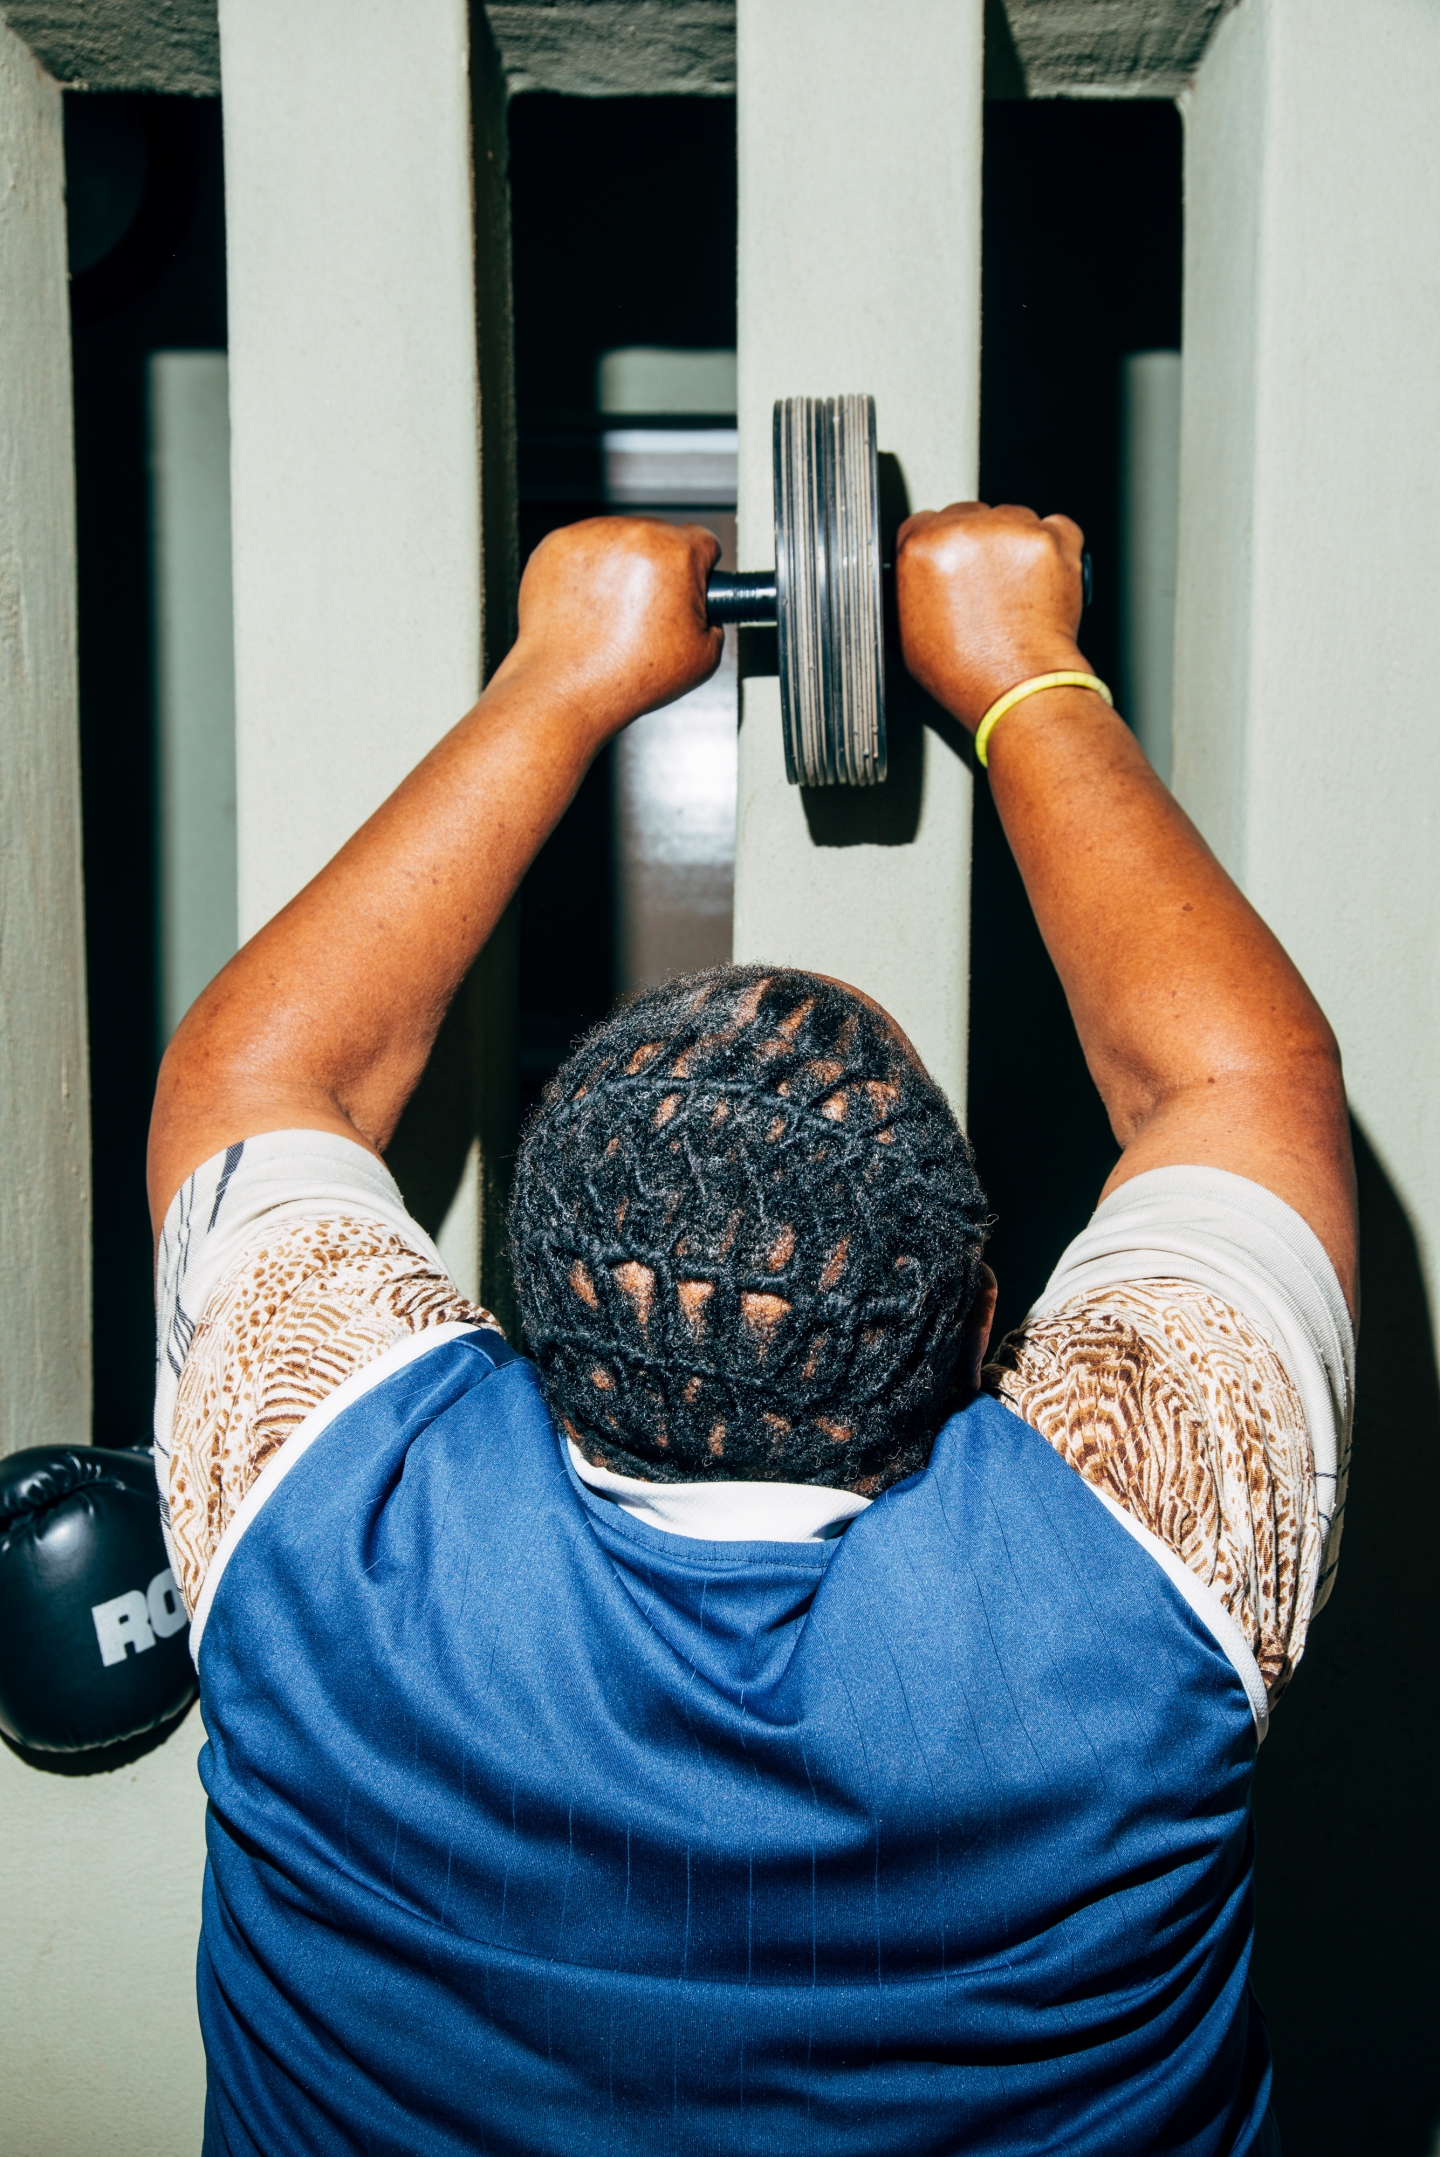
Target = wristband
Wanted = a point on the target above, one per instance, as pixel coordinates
(1014, 696)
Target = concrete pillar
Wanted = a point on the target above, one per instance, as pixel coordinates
(194, 673)
(1305, 740)
(44, 1076)
(859, 270)
(1307, 749)
(372, 463)
(97, 1981)
(1149, 536)
(102, 1890)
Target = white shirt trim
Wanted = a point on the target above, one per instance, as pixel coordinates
(1207, 1607)
(722, 1512)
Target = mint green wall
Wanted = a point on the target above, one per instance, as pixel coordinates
(102, 2054)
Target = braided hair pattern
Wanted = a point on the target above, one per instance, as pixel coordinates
(746, 1231)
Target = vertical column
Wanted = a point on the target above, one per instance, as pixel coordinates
(1149, 535)
(372, 466)
(102, 1894)
(859, 141)
(44, 1075)
(1305, 739)
(194, 673)
(1307, 749)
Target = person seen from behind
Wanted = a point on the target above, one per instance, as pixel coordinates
(743, 1712)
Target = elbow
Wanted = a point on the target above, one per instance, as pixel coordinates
(1292, 1075)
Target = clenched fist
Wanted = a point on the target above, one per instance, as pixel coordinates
(988, 598)
(612, 615)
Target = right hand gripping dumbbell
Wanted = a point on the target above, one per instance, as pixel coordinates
(824, 595)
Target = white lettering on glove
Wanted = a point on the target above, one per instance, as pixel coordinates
(121, 1624)
(162, 1600)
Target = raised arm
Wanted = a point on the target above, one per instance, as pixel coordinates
(325, 1019)
(1206, 1045)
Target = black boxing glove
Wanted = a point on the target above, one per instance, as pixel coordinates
(93, 1634)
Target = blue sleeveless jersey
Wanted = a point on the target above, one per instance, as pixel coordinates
(534, 1829)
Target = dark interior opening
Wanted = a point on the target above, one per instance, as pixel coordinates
(1065, 297)
(606, 253)
(145, 198)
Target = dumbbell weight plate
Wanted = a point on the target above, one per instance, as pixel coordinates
(827, 579)
(824, 594)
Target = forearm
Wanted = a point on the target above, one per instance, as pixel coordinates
(1206, 1045)
(1172, 977)
(1203, 1039)
(326, 1018)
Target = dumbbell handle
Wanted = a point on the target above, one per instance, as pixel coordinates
(746, 597)
(749, 594)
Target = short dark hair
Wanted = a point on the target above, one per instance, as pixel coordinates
(746, 1232)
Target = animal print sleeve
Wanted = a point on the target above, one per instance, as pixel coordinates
(289, 1325)
(1170, 1401)
(286, 1264)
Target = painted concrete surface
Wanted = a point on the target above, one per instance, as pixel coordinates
(194, 672)
(616, 48)
(838, 233)
(1149, 538)
(1136, 48)
(604, 48)
(659, 378)
(1306, 748)
(44, 1079)
(372, 461)
(1310, 551)
(97, 1980)
(123, 44)
(102, 1902)
(355, 414)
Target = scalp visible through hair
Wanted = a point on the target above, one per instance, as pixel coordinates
(746, 1231)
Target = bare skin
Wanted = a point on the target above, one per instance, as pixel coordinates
(325, 1019)
(1201, 1036)
(1206, 1046)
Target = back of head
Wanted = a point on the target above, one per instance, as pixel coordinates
(746, 1232)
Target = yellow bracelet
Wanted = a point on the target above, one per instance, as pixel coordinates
(1012, 697)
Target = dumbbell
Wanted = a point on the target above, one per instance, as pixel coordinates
(823, 595)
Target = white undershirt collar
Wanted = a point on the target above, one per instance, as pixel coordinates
(727, 1512)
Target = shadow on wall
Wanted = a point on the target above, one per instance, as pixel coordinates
(1348, 1867)
(1348, 1871)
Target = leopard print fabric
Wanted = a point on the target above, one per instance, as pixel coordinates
(1170, 1402)
(292, 1321)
